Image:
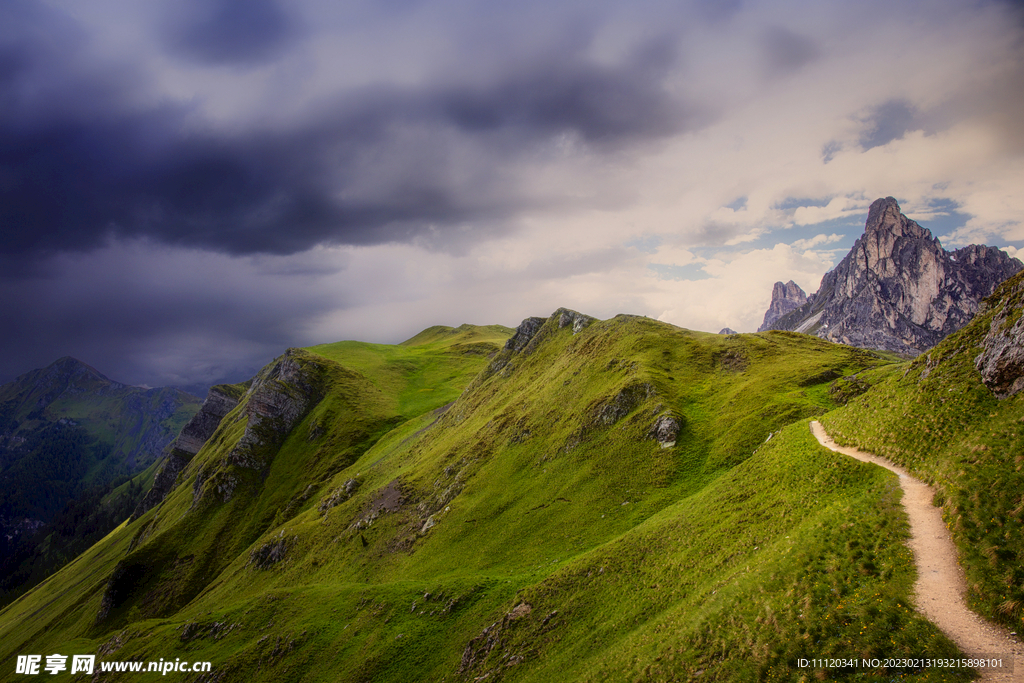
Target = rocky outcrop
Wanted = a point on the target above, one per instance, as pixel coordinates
(665, 430)
(727, 330)
(623, 403)
(526, 331)
(338, 496)
(1001, 362)
(898, 289)
(577, 320)
(531, 333)
(279, 398)
(494, 642)
(220, 401)
(786, 297)
(271, 552)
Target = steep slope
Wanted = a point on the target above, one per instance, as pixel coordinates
(898, 289)
(68, 437)
(605, 500)
(960, 429)
(220, 400)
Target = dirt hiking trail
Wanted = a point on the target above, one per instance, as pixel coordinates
(940, 587)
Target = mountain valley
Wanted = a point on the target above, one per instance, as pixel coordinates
(77, 451)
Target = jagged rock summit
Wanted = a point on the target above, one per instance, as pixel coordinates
(898, 289)
(786, 297)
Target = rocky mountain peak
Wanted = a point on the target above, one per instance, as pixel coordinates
(898, 289)
(886, 219)
(786, 297)
(69, 373)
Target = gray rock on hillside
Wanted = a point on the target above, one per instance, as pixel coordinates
(898, 289)
(278, 399)
(526, 331)
(1001, 361)
(219, 402)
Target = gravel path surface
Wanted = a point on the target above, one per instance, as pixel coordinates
(939, 591)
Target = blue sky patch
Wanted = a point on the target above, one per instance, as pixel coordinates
(691, 271)
(737, 204)
(793, 203)
(944, 224)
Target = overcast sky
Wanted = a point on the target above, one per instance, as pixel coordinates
(188, 187)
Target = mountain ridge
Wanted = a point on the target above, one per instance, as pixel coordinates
(573, 499)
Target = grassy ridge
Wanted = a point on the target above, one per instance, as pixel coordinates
(935, 416)
(534, 530)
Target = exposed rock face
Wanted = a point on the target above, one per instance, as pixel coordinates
(524, 333)
(338, 496)
(786, 297)
(220, 401)
(898, 289)
(270, 553)
(622, 404)
(577, 320)
(494, 639)
(727, 330)
(531, 333)
(280, 396)
(1001, 361)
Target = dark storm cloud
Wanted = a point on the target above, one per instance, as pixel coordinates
(241, 32)
(887, 122)
(148, 314)
(79, 165)
(602, 104)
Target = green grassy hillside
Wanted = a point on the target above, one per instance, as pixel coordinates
(936, 416)
(600, 500)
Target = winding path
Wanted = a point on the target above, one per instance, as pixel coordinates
(940, 587)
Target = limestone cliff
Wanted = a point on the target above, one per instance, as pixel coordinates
(786, 297)
(898, 289)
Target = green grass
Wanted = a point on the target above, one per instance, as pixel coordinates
(935, 416)
(530, 531)
(423, 372)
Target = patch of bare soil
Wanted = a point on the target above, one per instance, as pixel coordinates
(939, 591)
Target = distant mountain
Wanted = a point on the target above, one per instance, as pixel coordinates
(897, 290)
(786, 297)
(68, 437)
